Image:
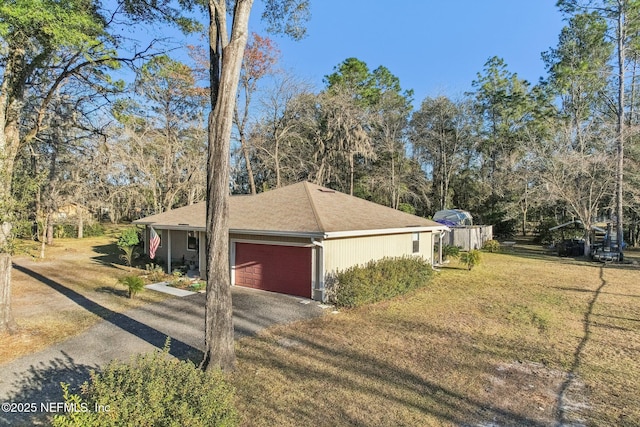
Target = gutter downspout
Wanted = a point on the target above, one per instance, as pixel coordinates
(319, 291)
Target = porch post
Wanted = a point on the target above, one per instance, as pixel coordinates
(202, 259)
(168, 251)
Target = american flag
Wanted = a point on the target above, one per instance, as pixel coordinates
(154, 242)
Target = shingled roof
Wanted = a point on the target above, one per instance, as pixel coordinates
(298, 209)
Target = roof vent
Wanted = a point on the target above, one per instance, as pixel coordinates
(326, 190)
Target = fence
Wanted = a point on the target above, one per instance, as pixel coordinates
(469, 237)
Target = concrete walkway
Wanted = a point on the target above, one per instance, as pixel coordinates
(166, 289)
(36, 378)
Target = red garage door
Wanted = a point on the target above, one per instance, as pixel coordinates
(284, 269)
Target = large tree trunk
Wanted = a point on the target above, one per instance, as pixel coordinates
(9, 142)
(6, 318)
(219, 344)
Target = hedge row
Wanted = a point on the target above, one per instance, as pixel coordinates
(379, 280)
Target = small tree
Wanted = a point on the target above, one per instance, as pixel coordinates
(450, 251)
(470, 259)
(134, 284)
(127, 243)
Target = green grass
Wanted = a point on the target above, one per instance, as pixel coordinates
(519, 340)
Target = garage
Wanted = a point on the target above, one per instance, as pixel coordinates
(294, 239)
(284, 269)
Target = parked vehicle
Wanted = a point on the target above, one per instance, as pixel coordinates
(571, 247)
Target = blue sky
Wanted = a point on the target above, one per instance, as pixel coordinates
(435, 47)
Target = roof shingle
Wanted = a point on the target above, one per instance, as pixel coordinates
(303, 208)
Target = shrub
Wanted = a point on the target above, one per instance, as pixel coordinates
(379, 280)
(60, 231)
(128, 237)
(134, 283)
(23, 229)
(155, 273)
(450, 251)
(93, 230)
(471, 258)
(151, 390)
(198, 286)
(491, 246)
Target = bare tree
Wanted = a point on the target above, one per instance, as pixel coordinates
(259, 58)
(583, 179)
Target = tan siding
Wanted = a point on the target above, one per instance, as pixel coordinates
(426, 245)
(344, 253)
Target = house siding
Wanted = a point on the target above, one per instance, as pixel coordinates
(347, 252)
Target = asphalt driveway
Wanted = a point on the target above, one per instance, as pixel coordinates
(36, 378)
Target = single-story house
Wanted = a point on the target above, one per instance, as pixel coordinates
(292, 239)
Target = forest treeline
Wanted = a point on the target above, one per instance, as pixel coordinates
(519, 155)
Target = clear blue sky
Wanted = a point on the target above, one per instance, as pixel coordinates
(434, 46)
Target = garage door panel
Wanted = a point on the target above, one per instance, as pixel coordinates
(284, 269)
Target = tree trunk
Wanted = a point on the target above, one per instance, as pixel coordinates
(9, 143)
(80, 223)
(247, 161)
(351, 173)
(7, 324)
(277, 162)
(49, 230)
(219, 343)
(621, 38)
(47, 238)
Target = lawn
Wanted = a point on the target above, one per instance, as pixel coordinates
(44, 290)
(523, 339)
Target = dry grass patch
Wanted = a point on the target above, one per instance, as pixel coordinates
(517, 341)
(64, 294)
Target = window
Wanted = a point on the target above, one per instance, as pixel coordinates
(416, 242)
(192, 241)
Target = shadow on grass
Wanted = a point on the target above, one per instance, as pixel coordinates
(113, 291)
(531, 251)
(39, 391)
(354, 372)
(108, 255)
(152, 336)
(578, 354)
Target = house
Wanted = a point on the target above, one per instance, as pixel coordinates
(71, 211)
(292, 239)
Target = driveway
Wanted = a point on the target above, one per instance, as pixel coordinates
(36, 378)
